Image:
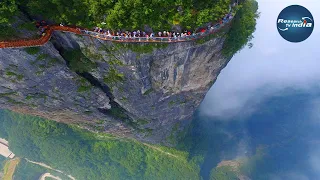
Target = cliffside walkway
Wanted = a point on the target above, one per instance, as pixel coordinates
(83, 32)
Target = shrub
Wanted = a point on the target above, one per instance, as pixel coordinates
(32, 50)
(78, 61)
(243, 26)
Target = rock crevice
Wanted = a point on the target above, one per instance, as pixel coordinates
(141, 91)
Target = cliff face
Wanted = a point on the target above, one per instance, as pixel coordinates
(145, 95)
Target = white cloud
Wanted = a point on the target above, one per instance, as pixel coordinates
(289, 175)
(267, 69)
(314, 159)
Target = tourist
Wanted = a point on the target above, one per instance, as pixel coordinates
(38, 25)
(43, 23)
(169, 34)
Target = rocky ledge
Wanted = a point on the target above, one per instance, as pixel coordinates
(145, 91)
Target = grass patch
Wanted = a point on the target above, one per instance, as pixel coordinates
(10, 168)
(32, 50)
(100, 122)
(37, 96)
(84, 85)
(147, 131)
(78, 61)
(84, 88)
(140, 48)
(113, 77)
(87, 52)
(19, 77)
(53, 61)
(39, 73)
(42, 57)
(118, 113)
(171, 103)
(29, 97)
(182, 102)
(7, 33)
(12, 101)
(88, 112)
(172, 138)
(149, 91)
(28, 26)
(124, 99)
(142, 122)
(8, 94)
(115, 62)
(223, 173)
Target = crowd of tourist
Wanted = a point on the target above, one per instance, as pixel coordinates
(170, 35)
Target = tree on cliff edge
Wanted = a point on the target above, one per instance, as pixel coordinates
(243, 26)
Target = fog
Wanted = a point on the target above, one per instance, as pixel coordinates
(271, 66)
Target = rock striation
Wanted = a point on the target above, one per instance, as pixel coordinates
(144, 91)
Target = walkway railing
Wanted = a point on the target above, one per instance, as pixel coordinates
(44, 39)
(191, 37)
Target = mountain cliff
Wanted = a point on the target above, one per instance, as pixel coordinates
(146, 91)
(126, 92)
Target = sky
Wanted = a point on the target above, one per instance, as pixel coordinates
(267, 69)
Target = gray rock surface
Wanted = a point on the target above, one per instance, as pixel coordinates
(160, 91)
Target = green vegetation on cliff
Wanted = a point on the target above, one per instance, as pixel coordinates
(243, 25)
(223, 173)
(89, 156)
(129, 14)
(233, 169)
(78, 61)
(8, 9)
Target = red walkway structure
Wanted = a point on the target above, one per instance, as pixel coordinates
(51, 28)
(38, 42)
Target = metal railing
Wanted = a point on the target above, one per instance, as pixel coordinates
(182, 38)
(44, 39)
